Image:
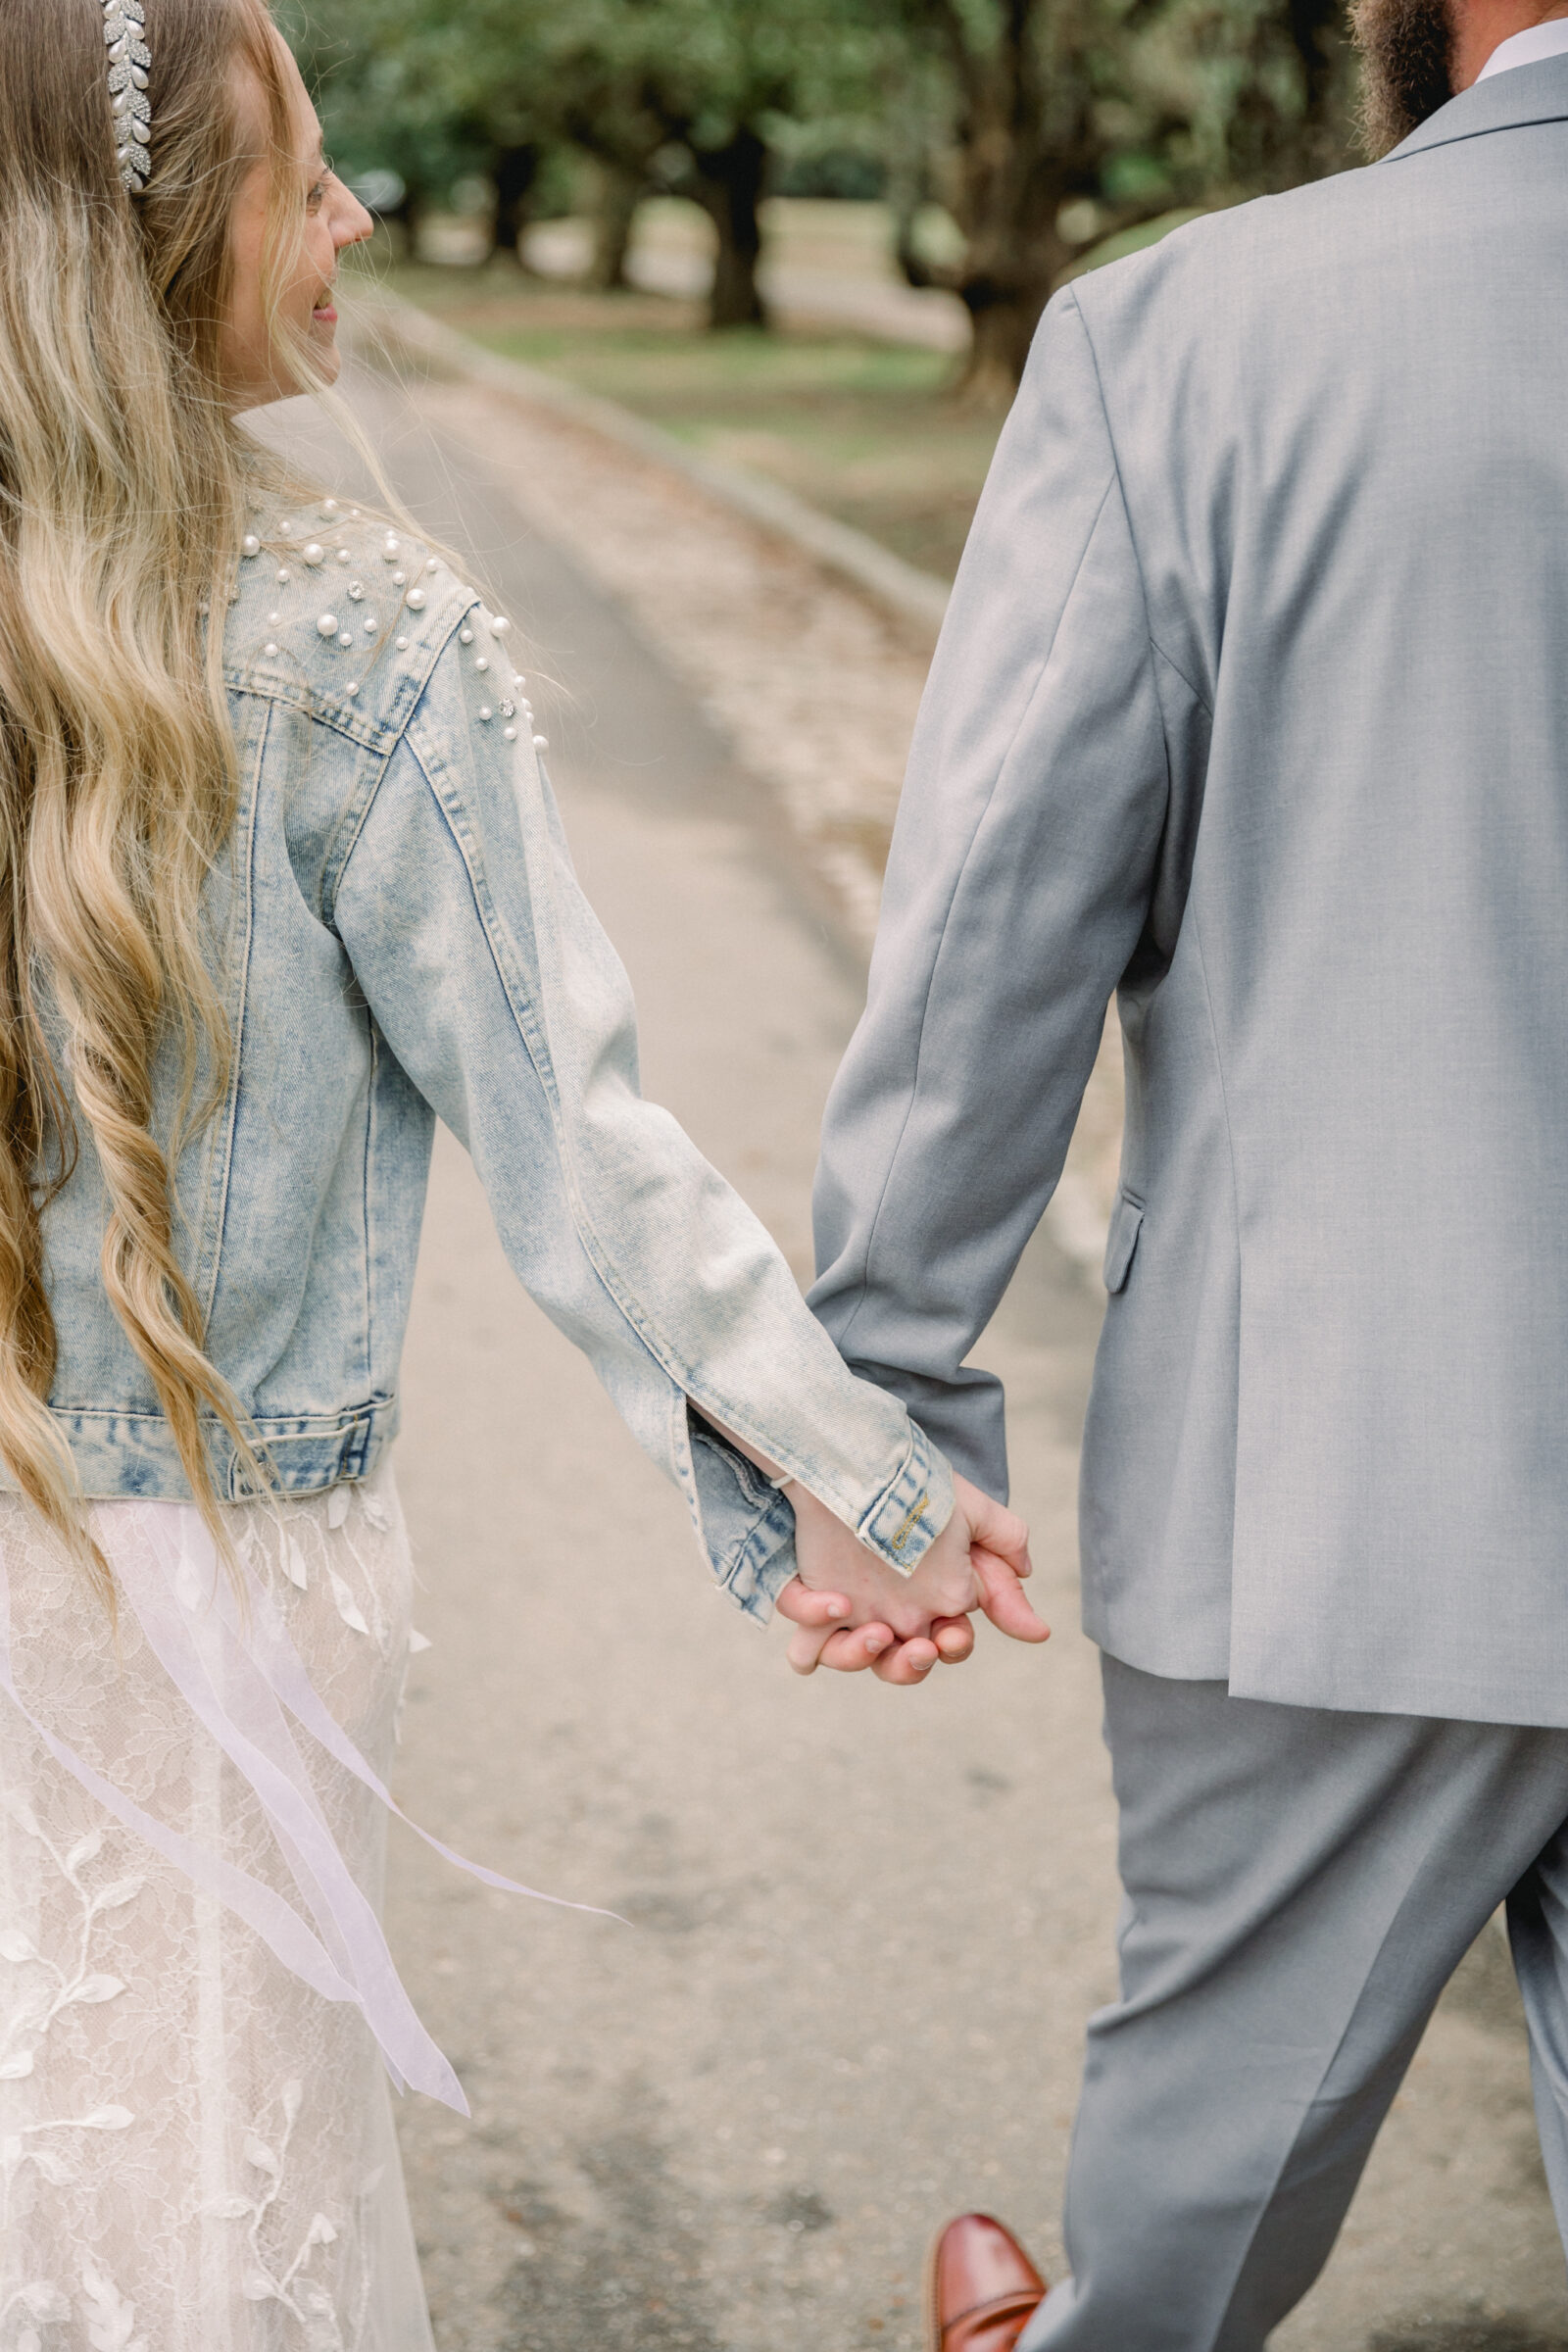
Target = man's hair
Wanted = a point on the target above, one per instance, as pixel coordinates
(1407, 67)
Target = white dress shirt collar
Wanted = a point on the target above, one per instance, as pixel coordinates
(1528, 48)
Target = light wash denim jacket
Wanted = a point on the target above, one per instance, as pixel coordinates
(401, 938)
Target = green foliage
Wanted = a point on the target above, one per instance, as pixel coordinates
(1184, 97)
(1249, 96)
(441, 85)
(1068, 121)
(394, 84)
(1045, 126)
(1154, 100)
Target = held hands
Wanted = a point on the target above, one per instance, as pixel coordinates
(851, 1610)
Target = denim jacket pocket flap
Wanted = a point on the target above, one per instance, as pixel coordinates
(1126, 1221)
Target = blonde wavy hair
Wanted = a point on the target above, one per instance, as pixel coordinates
(123, 486)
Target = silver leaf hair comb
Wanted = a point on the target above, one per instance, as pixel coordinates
(124, 37)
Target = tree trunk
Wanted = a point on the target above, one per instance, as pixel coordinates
(911, 264)
(517, 169)
(729, 185)
(1025, 145)
(619, 193)
(1006, 276)
(410, 215)
(908, 141)
(1002, 327)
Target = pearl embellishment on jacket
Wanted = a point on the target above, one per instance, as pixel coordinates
(327, 626)
(250, 545)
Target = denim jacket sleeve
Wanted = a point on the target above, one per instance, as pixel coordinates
(494, 985)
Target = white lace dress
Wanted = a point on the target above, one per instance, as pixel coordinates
(196, 2144)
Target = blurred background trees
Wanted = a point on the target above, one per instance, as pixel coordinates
(1049, 133)
(1070, 122)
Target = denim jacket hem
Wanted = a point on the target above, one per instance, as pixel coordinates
(122, 1453)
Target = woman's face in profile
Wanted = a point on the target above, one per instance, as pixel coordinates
(330, 218)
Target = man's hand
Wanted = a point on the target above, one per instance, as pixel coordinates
(851, 1610)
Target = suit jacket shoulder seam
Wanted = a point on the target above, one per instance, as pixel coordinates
(1121, 490)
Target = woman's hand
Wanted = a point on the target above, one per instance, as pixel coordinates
(851, 1610)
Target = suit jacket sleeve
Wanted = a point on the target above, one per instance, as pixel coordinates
(1019, 882)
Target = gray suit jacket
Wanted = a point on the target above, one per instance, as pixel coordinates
(1252, 707)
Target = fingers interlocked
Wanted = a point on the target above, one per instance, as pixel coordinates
(899, 1627)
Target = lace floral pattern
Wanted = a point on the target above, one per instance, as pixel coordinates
(196, 2150)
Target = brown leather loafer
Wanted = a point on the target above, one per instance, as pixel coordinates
(981, 2287)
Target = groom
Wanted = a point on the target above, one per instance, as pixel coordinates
(1252, 707)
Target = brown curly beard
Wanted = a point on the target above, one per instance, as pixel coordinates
(1407, 66)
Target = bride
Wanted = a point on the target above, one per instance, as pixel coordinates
(282, 884)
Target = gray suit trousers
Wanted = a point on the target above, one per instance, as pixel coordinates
(1299, 1887)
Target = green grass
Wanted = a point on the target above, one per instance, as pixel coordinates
(868, 431)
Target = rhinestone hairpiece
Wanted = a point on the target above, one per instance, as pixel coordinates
(126, 39)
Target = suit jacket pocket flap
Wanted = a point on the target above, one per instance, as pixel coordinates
(1126, 1219)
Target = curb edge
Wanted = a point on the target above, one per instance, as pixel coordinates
(901, 589)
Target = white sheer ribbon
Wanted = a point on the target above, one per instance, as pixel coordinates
(238, 1670)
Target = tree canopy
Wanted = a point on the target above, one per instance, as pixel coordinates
(1045, 126)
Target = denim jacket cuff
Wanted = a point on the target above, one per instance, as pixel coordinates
(746, 1526)
(910, 1512)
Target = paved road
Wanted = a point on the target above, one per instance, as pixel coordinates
(866, 1926)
